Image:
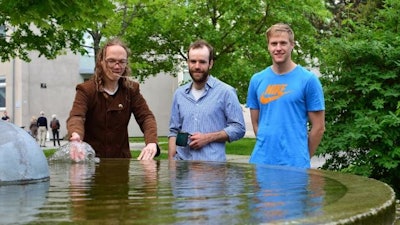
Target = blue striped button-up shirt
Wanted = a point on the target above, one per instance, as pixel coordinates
(217, 109)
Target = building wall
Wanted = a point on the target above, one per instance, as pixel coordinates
(6, 71)
(49, 86)
(158, 92)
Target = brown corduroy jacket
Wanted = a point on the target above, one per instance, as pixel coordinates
(102, 120)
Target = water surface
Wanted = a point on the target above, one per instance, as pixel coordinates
(162, 192)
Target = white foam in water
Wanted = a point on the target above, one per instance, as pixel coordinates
(75, 152)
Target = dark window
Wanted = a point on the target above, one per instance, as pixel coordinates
(2, 31)
(2, 92)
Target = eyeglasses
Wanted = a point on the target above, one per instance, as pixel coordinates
(113, 62)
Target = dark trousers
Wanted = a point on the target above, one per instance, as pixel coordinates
(56, 137)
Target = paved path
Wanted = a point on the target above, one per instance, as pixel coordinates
(316, 162)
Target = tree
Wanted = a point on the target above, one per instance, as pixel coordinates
(158, 32)
(49, 27)
(361, 78)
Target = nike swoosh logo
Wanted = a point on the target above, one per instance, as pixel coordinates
(273, 92)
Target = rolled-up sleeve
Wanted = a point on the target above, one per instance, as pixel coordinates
(174, 122)
(236, 127)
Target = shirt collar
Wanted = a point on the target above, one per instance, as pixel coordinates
(209, 84)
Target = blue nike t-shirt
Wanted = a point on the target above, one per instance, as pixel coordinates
(283, 102)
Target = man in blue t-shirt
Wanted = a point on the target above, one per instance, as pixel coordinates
(282, 99)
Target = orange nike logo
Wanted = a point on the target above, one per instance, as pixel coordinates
(272, 93)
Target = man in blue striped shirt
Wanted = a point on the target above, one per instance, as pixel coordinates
(206, 108)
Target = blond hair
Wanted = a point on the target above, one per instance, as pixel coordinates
(278, 29)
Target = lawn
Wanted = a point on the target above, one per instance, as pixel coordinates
(243, 146)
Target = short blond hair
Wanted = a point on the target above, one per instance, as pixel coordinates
(278, 29)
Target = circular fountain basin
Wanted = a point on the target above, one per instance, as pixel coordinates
(21, 158)
(187, 192)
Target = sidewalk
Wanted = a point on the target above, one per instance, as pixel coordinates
(316, 162)
(49, 144)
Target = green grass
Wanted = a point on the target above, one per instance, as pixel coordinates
(243, 146)
(49, 152)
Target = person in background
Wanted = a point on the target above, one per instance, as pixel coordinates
(55, 126)
(33, 127)
(206, 108)
(104, 104)
(282, 99)
(5, 117)
(42, 129)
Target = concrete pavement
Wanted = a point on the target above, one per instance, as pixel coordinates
(316, 162)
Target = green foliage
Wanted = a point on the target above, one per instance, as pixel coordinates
(49, 27)
(362, 89)
(160, 31)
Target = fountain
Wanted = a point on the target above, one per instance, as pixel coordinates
(124, 191)
(21, 158)
(127, 191)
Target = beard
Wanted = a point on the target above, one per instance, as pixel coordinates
(202, 78)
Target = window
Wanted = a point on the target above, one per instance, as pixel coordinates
(2, 92)
(2, 31)
(185, 76)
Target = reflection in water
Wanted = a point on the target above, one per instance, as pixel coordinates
(108, 200)
(207, 193)
(19, 204)
(285, 194)
(124, 191)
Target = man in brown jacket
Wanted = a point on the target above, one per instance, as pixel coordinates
(103, 106)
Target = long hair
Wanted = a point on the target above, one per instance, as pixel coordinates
(99, 73)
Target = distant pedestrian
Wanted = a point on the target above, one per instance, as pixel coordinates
(5, 117)
(42, 129)
(33, 127)
(55, 126)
